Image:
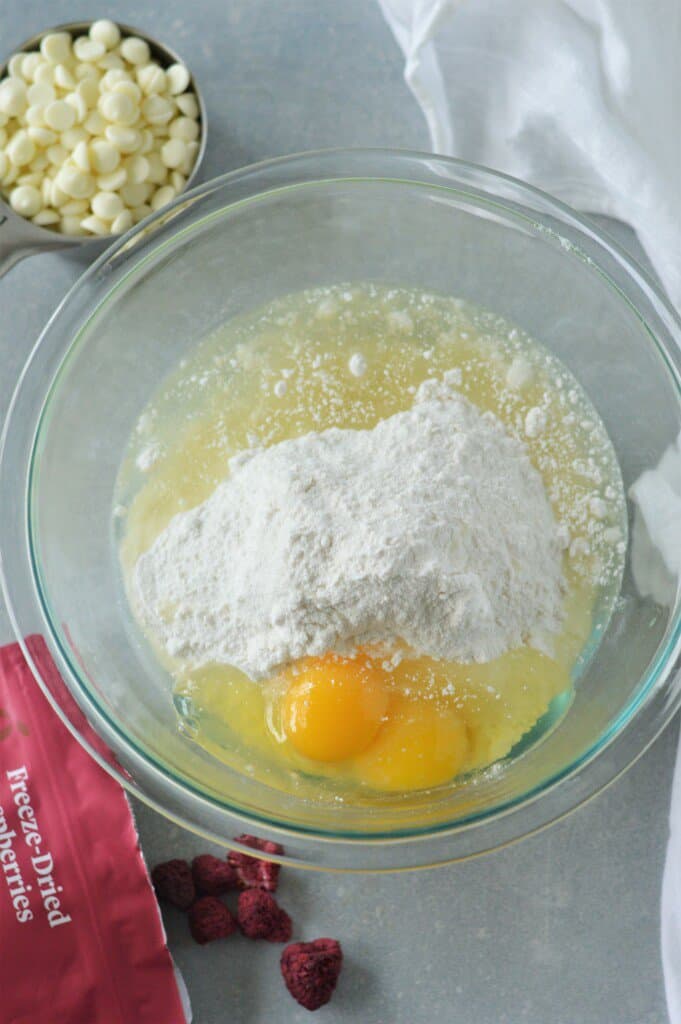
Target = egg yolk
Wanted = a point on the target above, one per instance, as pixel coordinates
(420, 745)
(334, 706)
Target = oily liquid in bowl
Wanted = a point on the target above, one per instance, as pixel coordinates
(348, 357)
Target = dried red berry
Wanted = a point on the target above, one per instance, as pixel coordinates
(261, 917)
(252, 872)
(174, 884)
(212, 875)
(310, 971)
(210, 919)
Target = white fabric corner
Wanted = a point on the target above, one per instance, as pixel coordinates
(578, 97)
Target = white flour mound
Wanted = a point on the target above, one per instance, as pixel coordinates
(433, 529)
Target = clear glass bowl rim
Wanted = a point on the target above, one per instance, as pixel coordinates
(639, 723)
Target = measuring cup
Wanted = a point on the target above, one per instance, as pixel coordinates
(20, 237)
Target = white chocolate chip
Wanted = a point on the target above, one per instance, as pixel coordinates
(137, 168)
(44, 74)
(157, 109)
(75, 206)
(178, 79)
(105, 32)
(63, 78)
(20, 149)
(119, 108)
(13, 100)
(95, 226)
(39, 94)
(30, 64)
(80, 107)
(114, 181)
(104, 157)
(152, 79)
(162, 197)
(126, 140)
(123, 222)
(72, 136)
(140, 212)
(158, 172)
(130, 89)
(111, 61)
(30, 178)
(57, 154)
(178, 181)
(188, 105)
(26, 200)
(74, 182)
(81, 156)
(94, 123)
(192, 153)
(174, 153)
(59, 115)
(35, 116)
(106, 205)
(10, 175)
(147, 143)
(46, 218)
(46, 190)
(88, 50)
(39, 163)
(55, 48)
(71, 226)
(42, 136)
(57, 195)
(15, 65)
(112, 78)
(185, 128)
(134, 195)
(135, 50)
(87, 71)
(88, 90)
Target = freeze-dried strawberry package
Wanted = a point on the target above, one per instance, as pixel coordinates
(81, 939)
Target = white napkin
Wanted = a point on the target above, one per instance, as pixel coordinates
(578, 97)
(656, 565)
(581, 98)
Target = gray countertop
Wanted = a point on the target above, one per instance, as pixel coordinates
(562, 928)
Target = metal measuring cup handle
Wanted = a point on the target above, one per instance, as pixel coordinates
(20, 238)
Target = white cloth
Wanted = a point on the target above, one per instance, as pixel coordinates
(656, 565)
(581, 98)
(578, 97)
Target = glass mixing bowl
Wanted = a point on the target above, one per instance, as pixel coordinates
(227, 248)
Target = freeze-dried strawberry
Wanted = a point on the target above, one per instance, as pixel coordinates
(174, 884)
(212, 875)
(210, 919)
(261, 917)
(253, 872)
(310, 971)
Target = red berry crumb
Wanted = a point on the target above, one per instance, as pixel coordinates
(209, 919)
(251, 872)
(310, 971)
(213, 876)
(261, 917)
(174, 884)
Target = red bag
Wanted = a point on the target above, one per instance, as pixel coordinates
(81, 939)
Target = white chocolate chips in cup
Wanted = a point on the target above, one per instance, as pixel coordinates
(94, 134)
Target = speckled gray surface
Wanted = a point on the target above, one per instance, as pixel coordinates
(560, 929)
